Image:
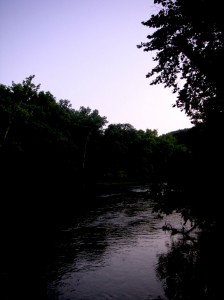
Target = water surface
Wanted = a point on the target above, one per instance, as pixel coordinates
(110, 252)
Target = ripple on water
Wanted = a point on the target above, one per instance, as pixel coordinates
(111, 253)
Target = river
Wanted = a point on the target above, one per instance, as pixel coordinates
(110, 251)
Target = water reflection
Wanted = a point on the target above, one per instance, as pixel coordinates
(190, 269)
(116, 249)
(110, 252)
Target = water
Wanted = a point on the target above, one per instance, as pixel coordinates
(110, 252)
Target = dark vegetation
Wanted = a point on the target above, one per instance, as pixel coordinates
(51, 153)
(188, 43)
(53, 156)
(188, 46)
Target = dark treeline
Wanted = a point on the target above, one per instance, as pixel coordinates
(48, 148)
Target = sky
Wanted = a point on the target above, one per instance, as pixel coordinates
(85, 51)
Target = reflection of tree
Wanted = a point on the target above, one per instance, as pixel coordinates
(189, 269)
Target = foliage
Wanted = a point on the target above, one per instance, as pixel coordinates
(43, 142)
(188, 42)
(130, 153)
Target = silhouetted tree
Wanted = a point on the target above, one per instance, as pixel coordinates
(188, 43)
(187, 40)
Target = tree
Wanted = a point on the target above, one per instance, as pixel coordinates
(188, 42)
(14, 103)
(44, 142)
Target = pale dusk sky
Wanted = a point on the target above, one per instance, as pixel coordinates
(86, 51)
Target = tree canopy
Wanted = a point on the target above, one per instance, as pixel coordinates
(188, 43)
